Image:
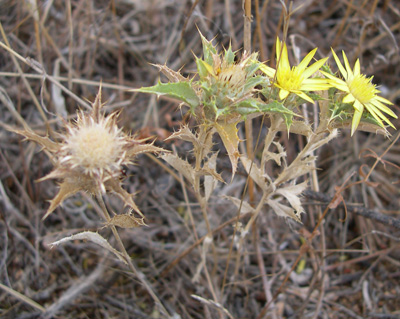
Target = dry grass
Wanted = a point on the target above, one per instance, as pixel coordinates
(54, 56)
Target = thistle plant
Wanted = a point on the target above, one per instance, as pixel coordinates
(222, 93)
(226, 90)
(89, 157)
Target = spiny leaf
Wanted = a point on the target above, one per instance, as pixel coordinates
(255, 173)
(172, 75)
(179, 90)
(126, 221)
(229, 55)
(185, 134)
(277, 157)
(181, 166)
(114, 186)
(253, 81)
(94, 238)
(45, 142)
(288, 121)
(67, 189)
(292, 194)
(208, 49)
(245, 206)
(229, 136)
(282, 210)
(203, 68)
(136, 148)
(275, 107)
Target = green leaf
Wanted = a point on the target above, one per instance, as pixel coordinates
(203, 68)
(288, 121)
(275, 107)
(252, 82)
(253, 66)
(229, 55)
(208, 50)
(248, 106)
(179, 90)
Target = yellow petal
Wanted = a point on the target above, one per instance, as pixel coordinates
(375, 115)
(314, 68)
(378, 115)
(278, 49)
(383, 100)
(356, 121)
(305, 97)
(268, 70)
(349, 98)
(382, 107)
(358, 106)
(283, 94)
(284, 61)
(339, 64)
(303, 64)
(350, 74)
(315, 86)
(357, 67)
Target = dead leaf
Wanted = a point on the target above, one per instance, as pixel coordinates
(181, 166)
(277, 157)
(255, 172)
(229, 136)
(126, 221)
(94, 238)
(211, 177)
(283, 210)
(245, 206)
(172, 75)
(292, 194)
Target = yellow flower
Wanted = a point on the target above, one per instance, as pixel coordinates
(296, 79)
(360, 92)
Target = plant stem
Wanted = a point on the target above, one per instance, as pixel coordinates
(138, 274)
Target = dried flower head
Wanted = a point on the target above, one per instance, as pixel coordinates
(91, 155)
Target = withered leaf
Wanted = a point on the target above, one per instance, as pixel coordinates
(229, 136)
(45, 142)
(181, 166)
(114, 186)
(292, 194)
(254, 171)
(126, 221)
(172, 75)
(211, 178)
(245, 206)
(94, 238)
(283, 210)
(66, 190)
(185, 134)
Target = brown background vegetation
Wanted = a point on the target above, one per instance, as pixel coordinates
(78, 43)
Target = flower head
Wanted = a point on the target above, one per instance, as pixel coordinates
(361, 93)
(91, 155)
(225, 83)
(295, 79)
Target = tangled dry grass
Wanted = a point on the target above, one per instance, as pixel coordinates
(55, 54)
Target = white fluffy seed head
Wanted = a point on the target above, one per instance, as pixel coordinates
(94, 148)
